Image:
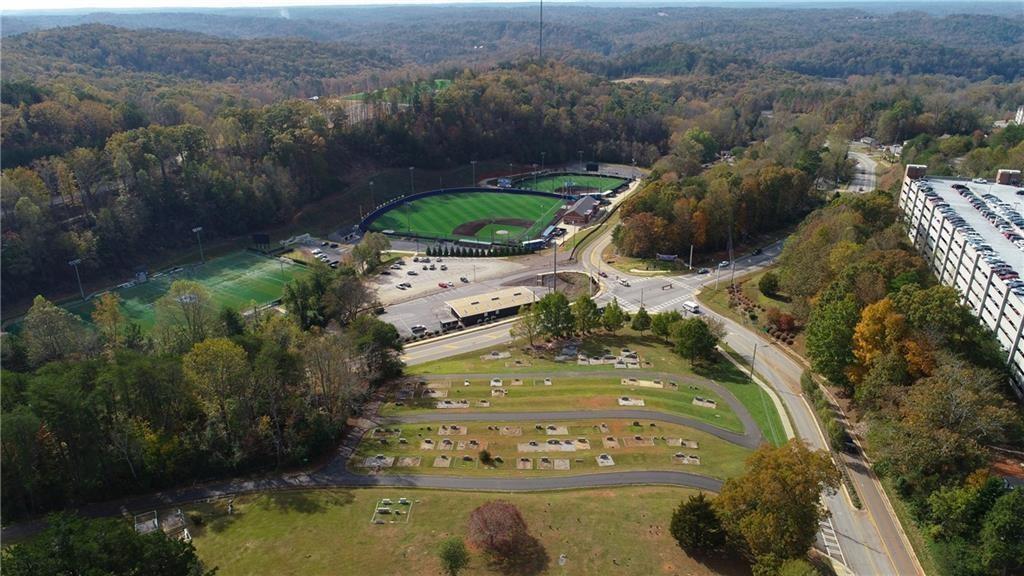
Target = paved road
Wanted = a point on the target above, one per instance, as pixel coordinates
(865, 177)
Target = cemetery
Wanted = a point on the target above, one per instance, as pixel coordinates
(523, 448)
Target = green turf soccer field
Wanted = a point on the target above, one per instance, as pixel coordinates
(235, 280)
(556, 182)
(474, 215)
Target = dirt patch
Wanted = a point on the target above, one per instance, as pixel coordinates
(473, 226)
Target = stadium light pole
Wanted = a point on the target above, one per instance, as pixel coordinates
(74, 264)
(473, 164)
(197, 230)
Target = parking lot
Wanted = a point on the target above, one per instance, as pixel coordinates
(427, 307)
(330, 253)
(409, 280)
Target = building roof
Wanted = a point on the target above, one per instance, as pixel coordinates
(583, 206)
(491, 301)
(999, 198)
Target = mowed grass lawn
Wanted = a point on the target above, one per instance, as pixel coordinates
(601, 531)
(556, 182)
(236, 280)
(651, 350)
(440, 216)
(592, 393)
(718, 458)
(655, 354)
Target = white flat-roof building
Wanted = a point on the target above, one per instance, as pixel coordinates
(972, 234)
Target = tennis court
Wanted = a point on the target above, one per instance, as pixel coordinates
(472, 215)
(570, 183)
(236, 280)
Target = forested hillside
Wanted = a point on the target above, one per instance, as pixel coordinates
(871, 40)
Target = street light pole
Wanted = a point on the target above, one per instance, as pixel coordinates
(199, 237)
(412, 182)
(372, 201)
(74, 264)
(752, 357)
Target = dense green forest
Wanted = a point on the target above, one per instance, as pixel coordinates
(94, 412)
(927, 380)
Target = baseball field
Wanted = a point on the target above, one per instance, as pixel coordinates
(569, 183)
(472, 215)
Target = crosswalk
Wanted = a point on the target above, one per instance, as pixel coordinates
(828, 536)
(673, 304)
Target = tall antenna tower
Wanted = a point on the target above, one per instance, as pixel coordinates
(540, 46)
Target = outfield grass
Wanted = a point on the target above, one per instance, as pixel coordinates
(601, 531)
(236, 280)
(556, 182)
(439, 216)
(578, 394)
(718, 458)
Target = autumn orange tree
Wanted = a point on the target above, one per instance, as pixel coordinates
(773, 509)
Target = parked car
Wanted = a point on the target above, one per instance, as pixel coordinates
(464, 280)
(412, 273)
(703, 271)
(385, 273)
(723, 264)
(419, 328)
(444, 266)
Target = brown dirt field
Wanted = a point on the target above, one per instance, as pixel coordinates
(473, 226)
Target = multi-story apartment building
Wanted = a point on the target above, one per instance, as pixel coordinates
(972, 234)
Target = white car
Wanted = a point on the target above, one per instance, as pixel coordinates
(723, 264)
(419, 328)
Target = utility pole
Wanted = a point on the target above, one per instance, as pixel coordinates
(197, 230)
(473, 163)
(732, 260)
(554, 265)
(74, 264)
(752, 357)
